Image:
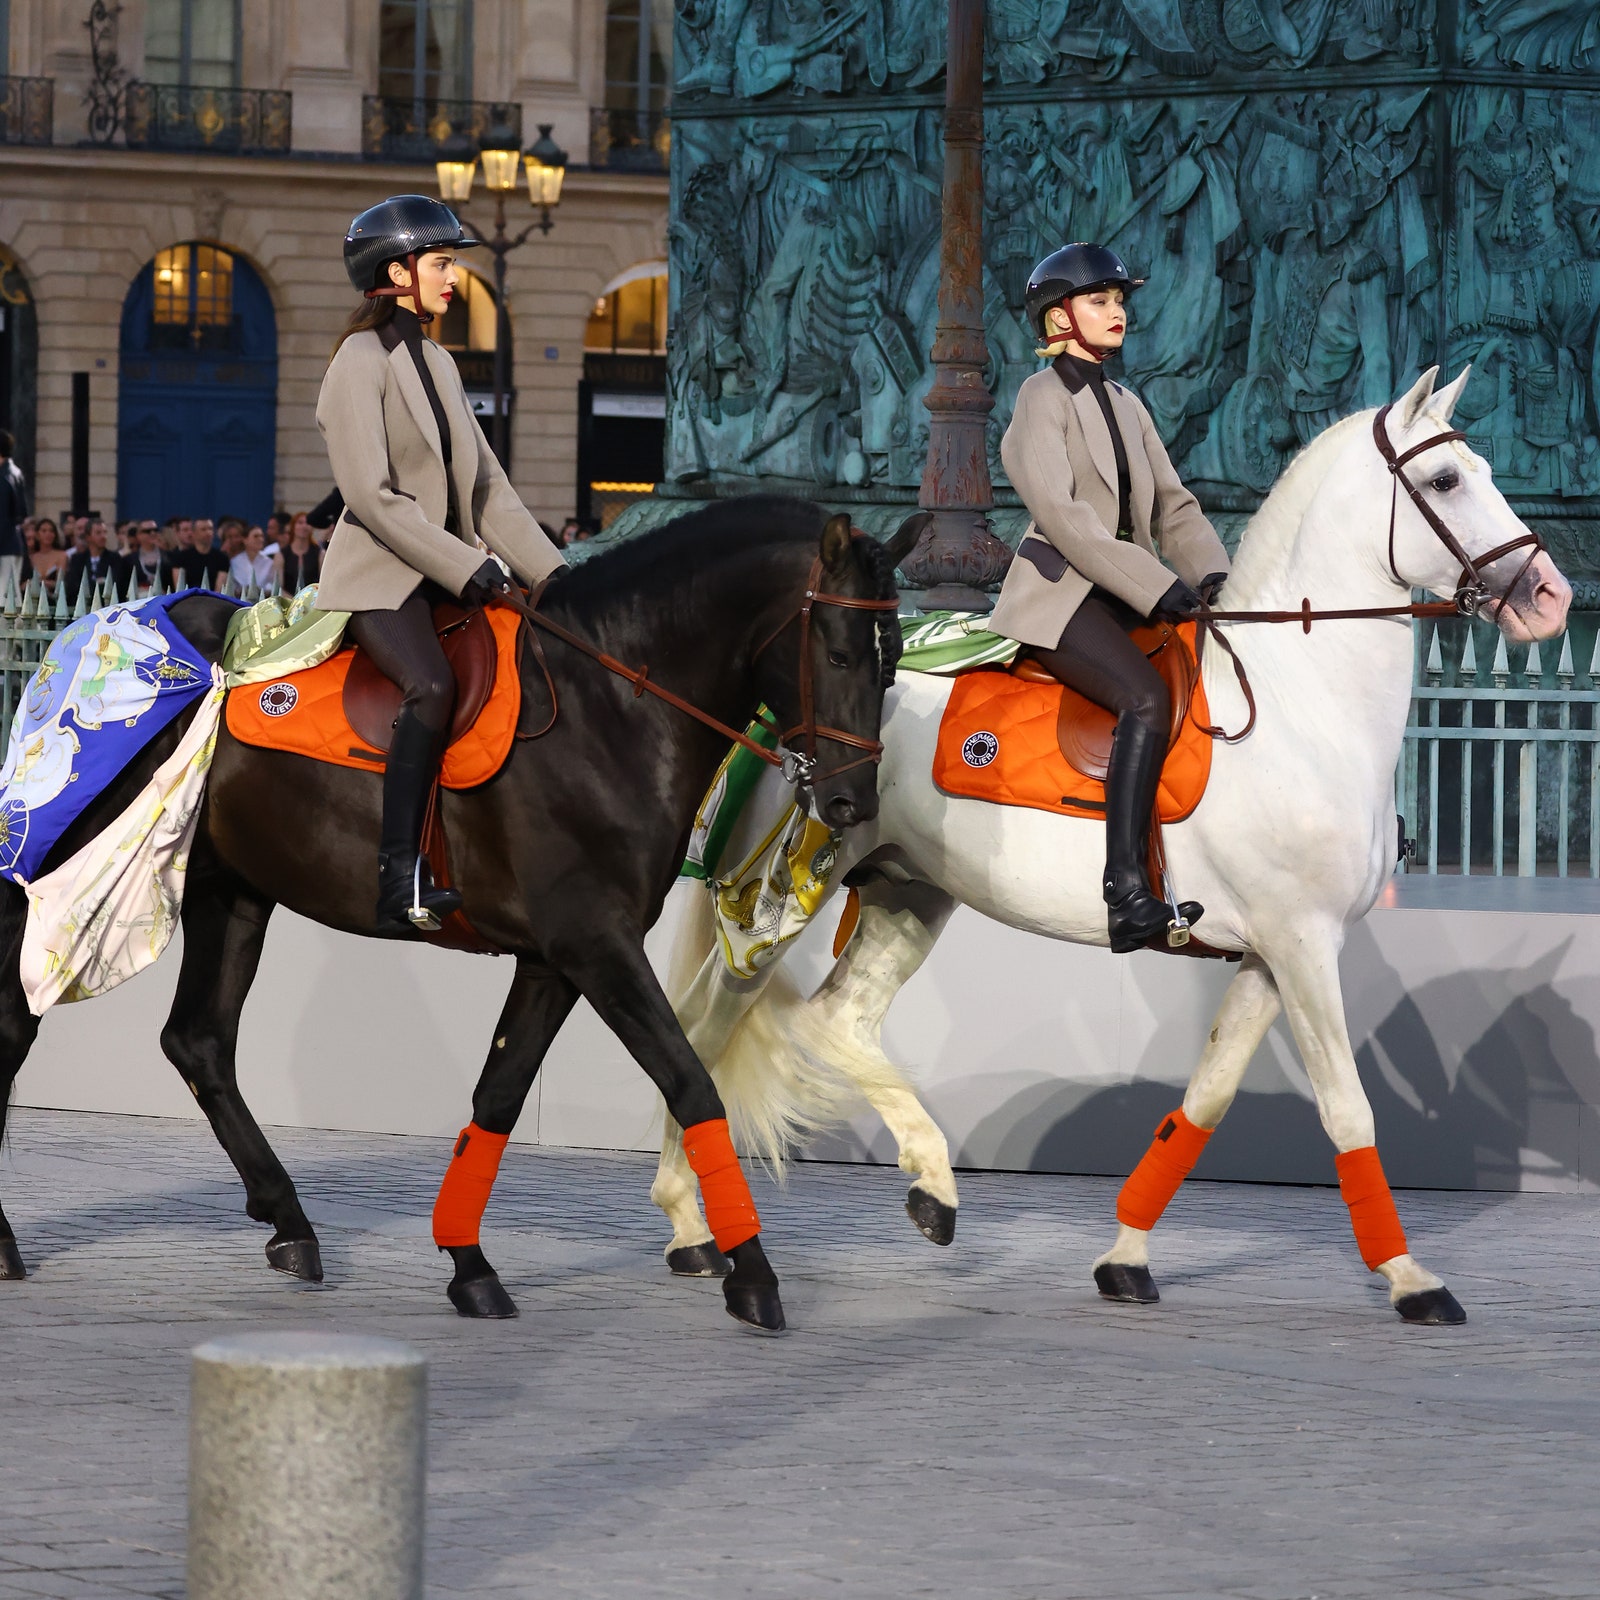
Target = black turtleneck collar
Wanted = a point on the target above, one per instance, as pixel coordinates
(1074, 372)
(402, 328)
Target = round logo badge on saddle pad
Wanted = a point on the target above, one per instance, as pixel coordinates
(980, 749)
(279, 699)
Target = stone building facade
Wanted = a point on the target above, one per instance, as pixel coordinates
(258, 128)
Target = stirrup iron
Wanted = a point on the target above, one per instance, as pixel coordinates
(1178, 927)
(423, 919)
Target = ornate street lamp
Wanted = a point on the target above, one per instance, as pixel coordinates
(456, 164)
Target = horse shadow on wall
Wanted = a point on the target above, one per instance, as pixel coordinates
(1507, 1111)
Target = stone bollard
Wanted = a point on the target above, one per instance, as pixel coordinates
(307, 1468)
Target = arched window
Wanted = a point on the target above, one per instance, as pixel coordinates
(425, 50)
(630, 317)
(192, 42)
(470, 323)
(191, 302)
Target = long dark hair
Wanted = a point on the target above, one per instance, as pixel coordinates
(369, 314)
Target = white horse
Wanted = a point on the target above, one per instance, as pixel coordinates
(1293, 841)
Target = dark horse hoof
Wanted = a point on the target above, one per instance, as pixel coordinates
(1431, 1308)
(1133, 1285)
(300, 1258)
(756, 1305)
(11, 1260)
(934, 1219)
(482, 1297)
(698, 1261)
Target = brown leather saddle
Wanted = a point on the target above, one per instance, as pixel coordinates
(372, 701)
(1084, 730)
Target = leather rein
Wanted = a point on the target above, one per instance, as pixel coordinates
(797, 766)
(1472, 589)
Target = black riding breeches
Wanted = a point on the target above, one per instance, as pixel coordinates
(406, 650)
(1096, 657)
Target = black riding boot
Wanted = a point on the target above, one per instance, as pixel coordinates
(413, 764)
(1132, 776)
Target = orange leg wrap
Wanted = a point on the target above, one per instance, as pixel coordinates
(730, 1212)
(1169, 1160)
(1379, 1236)
(458, 1211)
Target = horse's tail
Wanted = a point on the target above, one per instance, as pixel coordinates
(783, 1070)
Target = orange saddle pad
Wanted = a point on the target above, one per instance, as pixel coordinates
(304, 714)
(999, 740)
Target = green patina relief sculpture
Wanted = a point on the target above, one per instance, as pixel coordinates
(1320, 211)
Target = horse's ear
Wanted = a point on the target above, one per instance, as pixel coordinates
(903, 540)
(1415, 400)
(1444, 400)
(836, 536)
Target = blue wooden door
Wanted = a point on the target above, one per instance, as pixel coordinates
(198, 389)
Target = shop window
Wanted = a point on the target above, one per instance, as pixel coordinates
(630, 318)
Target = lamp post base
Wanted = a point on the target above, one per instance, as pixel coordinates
(956, 560)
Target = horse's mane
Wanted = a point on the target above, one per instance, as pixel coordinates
(684, 545)
(1267, 536)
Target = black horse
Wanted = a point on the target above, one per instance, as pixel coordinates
(564, 858)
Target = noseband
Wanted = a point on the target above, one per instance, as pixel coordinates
(1472, 588)
(799, 766)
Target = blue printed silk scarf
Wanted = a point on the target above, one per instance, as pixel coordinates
(108, 684)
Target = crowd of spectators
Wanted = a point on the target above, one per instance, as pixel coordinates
(229, 553)
(180, 553)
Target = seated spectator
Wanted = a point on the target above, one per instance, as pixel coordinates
(277, 530)
(569, 531)
(147, 565)
(300, 558)
(30, 535)
(230, 537)
(168, 536)
(185, 532)
(253, 565)
(126, 542)
(96, 563)
(49, 560)
(196, 564)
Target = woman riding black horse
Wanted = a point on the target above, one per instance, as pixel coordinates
(1107, 507)
(421, 489)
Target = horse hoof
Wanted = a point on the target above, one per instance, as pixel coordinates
(757, 1306)
(299, 1258)
(698, 1261)
(1431, 1308)
(11, 1260)
(1132, 1285)
(934, 1219)
(482, 1297)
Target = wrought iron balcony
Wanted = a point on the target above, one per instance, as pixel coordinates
(172, 116)
(27, 110)
(629, 141)
(411, 130)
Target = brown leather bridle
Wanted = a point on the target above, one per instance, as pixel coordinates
(797, 766)
(1472, 589)
(800, 766)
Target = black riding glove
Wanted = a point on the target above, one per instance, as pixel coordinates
(1178, 603)
(489, 580)
(1211, 586)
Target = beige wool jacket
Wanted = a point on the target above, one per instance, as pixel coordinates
(1058, 455)
(384, 448)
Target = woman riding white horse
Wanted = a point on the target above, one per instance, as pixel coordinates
(1292, 842)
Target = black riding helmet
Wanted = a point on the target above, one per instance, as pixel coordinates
(1074, 269)
(401, 226)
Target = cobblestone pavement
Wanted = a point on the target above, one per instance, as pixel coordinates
(957, 1423)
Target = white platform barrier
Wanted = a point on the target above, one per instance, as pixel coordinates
(1474, 1007)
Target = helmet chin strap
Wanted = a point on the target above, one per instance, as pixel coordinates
(413, 291)
(1096, 352)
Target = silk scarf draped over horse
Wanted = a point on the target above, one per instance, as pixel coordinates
(763, 895)
(766, 894)
(109, 911)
